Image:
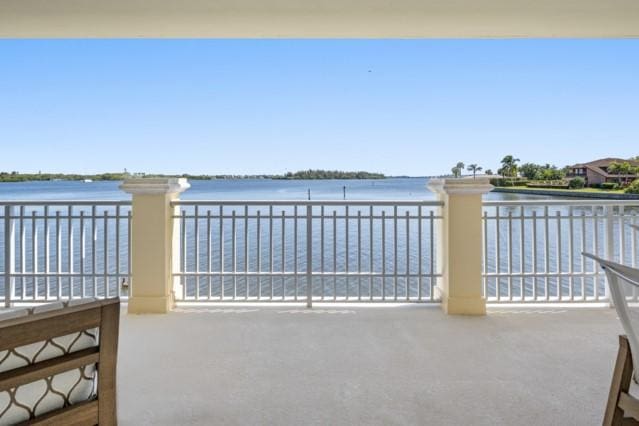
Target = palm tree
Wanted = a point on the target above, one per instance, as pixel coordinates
(509, 166)
(460, 166)
(474, 168)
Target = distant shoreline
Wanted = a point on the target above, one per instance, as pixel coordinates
(210, 179)
(207, 179)
(568, 193)
(14, 177)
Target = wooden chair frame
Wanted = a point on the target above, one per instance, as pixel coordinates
(622, 408)
(103, 314)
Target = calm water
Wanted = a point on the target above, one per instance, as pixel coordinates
(243, 189)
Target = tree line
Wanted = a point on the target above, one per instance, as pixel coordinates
(15, 176)
(329, 174)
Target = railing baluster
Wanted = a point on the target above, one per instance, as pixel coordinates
(295, 281)
(234, 252)
(610, 242)
(370, 254)
(9, 250)
(23, 256)
(383, 254)
(571, 281)
(595, 243)
(395, 252)
(94, 233)
(334, 255)
(106, 253)
(497, 254)
(559, 259)
(283, 256)
(258, 254)
(82, 255)
(522, 249)
(183, 254)
(34, 253)
(70, 249)
(633, 251)
(270, 251)
(221, 232)
(510, 255)
(433, 280)
(359, 254)
(47, 249)
(407, 255)
(546, 254)
(534, 254)
(196, 250)
(485, 254)
(346, 257)
(309, 255)
(622, 234)
(58, 254)
(129, 215)
(322, 249)
(117, 252)
(246, 253)
(583, 259)
(209, 256)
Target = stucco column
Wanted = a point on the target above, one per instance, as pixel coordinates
(460, 243)
(152, 237)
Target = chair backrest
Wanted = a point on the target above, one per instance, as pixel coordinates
(618, 274)
(58, 363)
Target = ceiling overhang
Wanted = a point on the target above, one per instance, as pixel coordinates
(318, 18)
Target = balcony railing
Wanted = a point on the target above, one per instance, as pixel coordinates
(372, 251)
(56, 250)
(350, 251)
(532, 249)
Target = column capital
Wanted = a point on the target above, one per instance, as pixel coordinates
(460, 186)
(155, 186)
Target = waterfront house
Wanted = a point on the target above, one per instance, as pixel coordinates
(596, 172)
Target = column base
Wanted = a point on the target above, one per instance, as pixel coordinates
(464, 305)
(150, 305)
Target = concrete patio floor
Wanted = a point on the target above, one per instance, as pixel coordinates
(379, 365)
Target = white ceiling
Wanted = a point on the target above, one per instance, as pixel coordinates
(319, 18)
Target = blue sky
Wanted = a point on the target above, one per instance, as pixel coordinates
(402, 107)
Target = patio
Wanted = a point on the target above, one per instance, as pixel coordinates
(349, 364)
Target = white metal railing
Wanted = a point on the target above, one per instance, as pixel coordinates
(357, 250)
(64, 249)
(306, 251)
(532, 249)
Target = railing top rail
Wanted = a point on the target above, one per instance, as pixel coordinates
(582, 202)
(65, 202)
(306, 203)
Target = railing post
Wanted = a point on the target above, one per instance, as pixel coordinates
(610, 244)
(309, 256)
(460, 244)
(152, 242)
(9, 253)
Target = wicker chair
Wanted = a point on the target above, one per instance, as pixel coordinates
(58, 363)
(622, 407)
